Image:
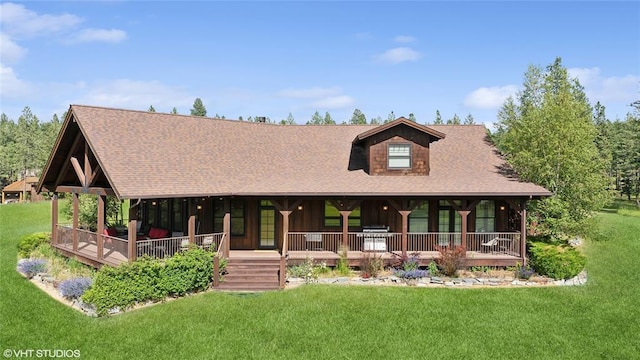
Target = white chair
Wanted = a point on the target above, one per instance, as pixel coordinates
(207, 241)
(490, 245)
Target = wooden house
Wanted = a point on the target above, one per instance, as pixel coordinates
(256, 190)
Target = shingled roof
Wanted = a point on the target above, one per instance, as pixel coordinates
(155, 155)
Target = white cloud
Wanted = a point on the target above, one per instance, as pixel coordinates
(12, 87)
(606, 89)
(103, 35)
(18, 21)
(398, 55)
(404, 39)
(133, 94)
(10, 52)
(310, 93)
(489, 97)
(334, 102)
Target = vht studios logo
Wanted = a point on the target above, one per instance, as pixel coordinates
(41, 353)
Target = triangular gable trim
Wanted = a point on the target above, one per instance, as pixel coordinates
(397, 122)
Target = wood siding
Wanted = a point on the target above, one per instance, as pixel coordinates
(377, 154)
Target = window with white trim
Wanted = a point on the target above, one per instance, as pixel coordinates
(399, 156)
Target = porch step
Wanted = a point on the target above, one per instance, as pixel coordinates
(251, 274)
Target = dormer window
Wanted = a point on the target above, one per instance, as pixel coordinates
(399, 156)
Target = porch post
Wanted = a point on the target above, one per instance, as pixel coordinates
(405, 230)
(54, 219)
(285, 231)
(345, 227)
(226, 227)
(76, 205)
(523, 231)
(100, 226)
(132, 232)
(463, 233)
(191, 227)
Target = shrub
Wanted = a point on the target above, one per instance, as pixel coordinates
(308, 270)
(31, 267)
(451, 259)
(30, 242)
(433, 269)
(125, 285)
(411, 274)
(186, 271)
(343, 263)
(74, 288)
(556, 261)
(370, 265)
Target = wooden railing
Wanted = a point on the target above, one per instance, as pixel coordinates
(501, 242)
(430, 241)
(115, 250)
(385, 242)
(314, 241)
(65, 236)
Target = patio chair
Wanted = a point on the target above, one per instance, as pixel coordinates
(490, 245)
(207, 242)
(314, 241)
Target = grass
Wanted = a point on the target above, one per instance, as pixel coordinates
(599, 320)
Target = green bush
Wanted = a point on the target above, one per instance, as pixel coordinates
(556, 261)
(125, 285)
(186, 271)
(30, 242)
(150, 279)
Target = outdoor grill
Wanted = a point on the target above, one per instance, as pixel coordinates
(375, 237)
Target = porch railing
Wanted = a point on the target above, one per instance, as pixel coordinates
(387, 242)
(65, 235)
(165, 247)
(115, 250)
(501, 242)
(430, 241)
(314, 241)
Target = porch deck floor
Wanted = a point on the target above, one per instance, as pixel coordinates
(89, 251)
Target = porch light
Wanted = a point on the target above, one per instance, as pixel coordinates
(502, 208)
(199, 207)
(385, 207)
(154, 203)
(300, 207)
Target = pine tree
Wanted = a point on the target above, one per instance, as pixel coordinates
(376, 120)
(174, 110)
(455, 120)
(151, 109)
(358, 118)
(198, 108)
(469, 120)
(412, 117)
(390, 117)
(316, 119)
(438, 120)
(328, 120)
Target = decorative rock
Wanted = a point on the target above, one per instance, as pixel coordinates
(469, 281)
(448, 283)
(342, 280)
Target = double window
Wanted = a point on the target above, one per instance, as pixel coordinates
(419, 218)
(332, 217)
(237, 217)
(486, 216)
(399, 156)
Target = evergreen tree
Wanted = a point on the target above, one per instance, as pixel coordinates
(438, 120)
(174, 110)
(390, 117)
(358, 118)
(316, 119)
(240, 118)
(328, 120)
(198, 108)
(455, 120)
(548, 137)
(376, 120)
(412, 117)
(151, 109)
(469, 120)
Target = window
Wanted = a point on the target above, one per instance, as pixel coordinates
(486, 216)
(177, 218)
(419, 218)
(332, 217)
(399, 156)
(237, 217)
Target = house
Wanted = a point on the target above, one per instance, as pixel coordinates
(286, 192)
(16, 191)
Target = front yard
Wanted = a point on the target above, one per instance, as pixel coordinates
(598, 320)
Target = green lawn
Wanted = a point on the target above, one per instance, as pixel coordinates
(599, 320)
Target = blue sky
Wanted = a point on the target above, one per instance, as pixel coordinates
(272, 58)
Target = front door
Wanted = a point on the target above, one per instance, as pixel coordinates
(267, 231)
(449, 224)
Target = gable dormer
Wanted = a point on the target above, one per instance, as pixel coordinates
(400, 147)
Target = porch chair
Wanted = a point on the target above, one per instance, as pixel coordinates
(314, 241)
(207, 242)
(490, 245)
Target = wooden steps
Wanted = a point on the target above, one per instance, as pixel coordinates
(251, 274)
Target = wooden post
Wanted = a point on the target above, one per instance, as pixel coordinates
(285, 231)
(345, 227)
(100, 226)
(132, 232)
(76, 205)
(216, 271)
(523, 231)
(192, 229)
(405, 230)
(283, 272)
(54, 219)
(463, 234)
(226, 227)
